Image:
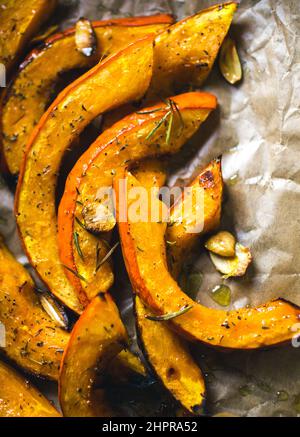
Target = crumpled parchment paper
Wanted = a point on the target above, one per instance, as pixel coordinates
(257, 130)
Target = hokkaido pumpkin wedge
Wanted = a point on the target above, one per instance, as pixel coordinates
(180, 240)
(164, 350)
(29, 94)
(97, 337)
(19, 21)
(184, 54)
(170, 359)
(81, 102)
(18, 398)
(32, 339)
(197, 40)
(247, 328)
(140, 135)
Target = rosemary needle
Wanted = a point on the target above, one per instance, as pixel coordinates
(107, 256)
(77, 245)
(75, 273)
(170, 316)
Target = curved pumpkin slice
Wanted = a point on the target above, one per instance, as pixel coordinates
(18, 398)
(197, 41)
(81, 102)
(137, 136)
(97, 337)
(29, 94)
(181, 241)
(32, 339)
(19, 21)
(184, 54)
(165, 351)
(170, 359)
(248, 328)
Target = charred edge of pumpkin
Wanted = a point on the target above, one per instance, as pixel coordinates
(203, 182)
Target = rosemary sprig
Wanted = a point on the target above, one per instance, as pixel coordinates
(82, 278)
(106, 257)
(172, 111)
(177, 110)
(161, 121)
(169, 316)
(77, 245)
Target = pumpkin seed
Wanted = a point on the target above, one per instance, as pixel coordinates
(229, 62)
(54, 310)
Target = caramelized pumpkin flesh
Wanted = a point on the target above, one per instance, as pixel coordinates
(97, 337)
(247, 328)
(19, 21)
(165, 351)
(184, 54)
(85, 99)
(195, 40)
(18, 398)
(138, 136)
(170, 359)
(30, 93)
(32, 339)
(180, 240)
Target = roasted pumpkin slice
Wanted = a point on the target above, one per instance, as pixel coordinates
(184, 54)
(81, 102)
(19, 21)
(170, 359)
(32, 339)
(97, 337)
(180, 241)
(166, 353)
(30, 93)
(18, 398)
(150, 132)
(247, 328)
